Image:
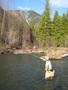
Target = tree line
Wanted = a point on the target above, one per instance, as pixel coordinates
(16, 32)
(52, 32)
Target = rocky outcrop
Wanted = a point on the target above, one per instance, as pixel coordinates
(28, 16)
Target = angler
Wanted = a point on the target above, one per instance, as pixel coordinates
(48, 67)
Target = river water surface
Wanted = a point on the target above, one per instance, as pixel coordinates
(26, 72)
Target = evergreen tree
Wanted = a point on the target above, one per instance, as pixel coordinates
(57, 27)
(47, 19)
(67, 22)
(40, 30)
(55, 23)
(64, 23)
(66, 30)
(32, 34)
(44, 26)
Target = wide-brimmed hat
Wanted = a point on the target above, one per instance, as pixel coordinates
(46, 58)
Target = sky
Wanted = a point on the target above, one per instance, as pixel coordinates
(38, 6)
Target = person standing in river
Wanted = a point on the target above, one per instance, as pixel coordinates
(48, 66)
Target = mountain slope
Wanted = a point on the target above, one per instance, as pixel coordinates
(29, 16)
(13, 31)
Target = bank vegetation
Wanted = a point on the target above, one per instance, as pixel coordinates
(17, 36)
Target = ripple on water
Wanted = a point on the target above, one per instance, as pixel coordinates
(25, 72)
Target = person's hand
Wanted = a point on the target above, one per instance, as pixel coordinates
(45, 69)
(40, 57)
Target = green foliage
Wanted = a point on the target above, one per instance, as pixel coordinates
(59, 28)
(52, 33)
(67, 22)
(32, 34)
(15, 32)
(57, 24)
(44, 26)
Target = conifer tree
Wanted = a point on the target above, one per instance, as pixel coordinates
(57, 27)
(44, 26)
(46, 14)
(32, 34)
(64, 23)
(40, 30)
(67, 22)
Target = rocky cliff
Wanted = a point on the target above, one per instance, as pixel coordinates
(28, 16)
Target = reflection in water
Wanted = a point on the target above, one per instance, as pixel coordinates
(25, 72)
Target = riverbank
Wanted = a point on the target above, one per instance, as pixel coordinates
(52, 52)
(57, 53)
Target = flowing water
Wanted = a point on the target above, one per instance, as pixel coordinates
(26, 72)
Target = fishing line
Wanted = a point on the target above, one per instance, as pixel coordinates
(37, 69)
(34, 55)
(38, 62)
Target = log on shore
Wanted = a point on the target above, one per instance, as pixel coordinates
(56, 53)
(65, 55)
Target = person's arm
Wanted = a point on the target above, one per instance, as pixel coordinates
(42, 58)
(46, 68)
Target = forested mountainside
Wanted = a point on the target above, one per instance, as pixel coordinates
(17, 28)
(28, 16)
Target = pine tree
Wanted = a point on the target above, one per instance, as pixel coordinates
(66, 30)
(46, 14)
(67, 22)
(44, 26)
(32, 34)
(57, 27)
(40, 30)
(64, 23)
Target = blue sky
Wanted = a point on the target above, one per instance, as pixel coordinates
(38, 5)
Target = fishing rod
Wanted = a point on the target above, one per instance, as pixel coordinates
(37, 56)
(34, 55)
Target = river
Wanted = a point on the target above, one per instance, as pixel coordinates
(26, 72)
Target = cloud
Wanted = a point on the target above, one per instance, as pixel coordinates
(26, 8)
(42, 0)
(27, 0)
(59, 3)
